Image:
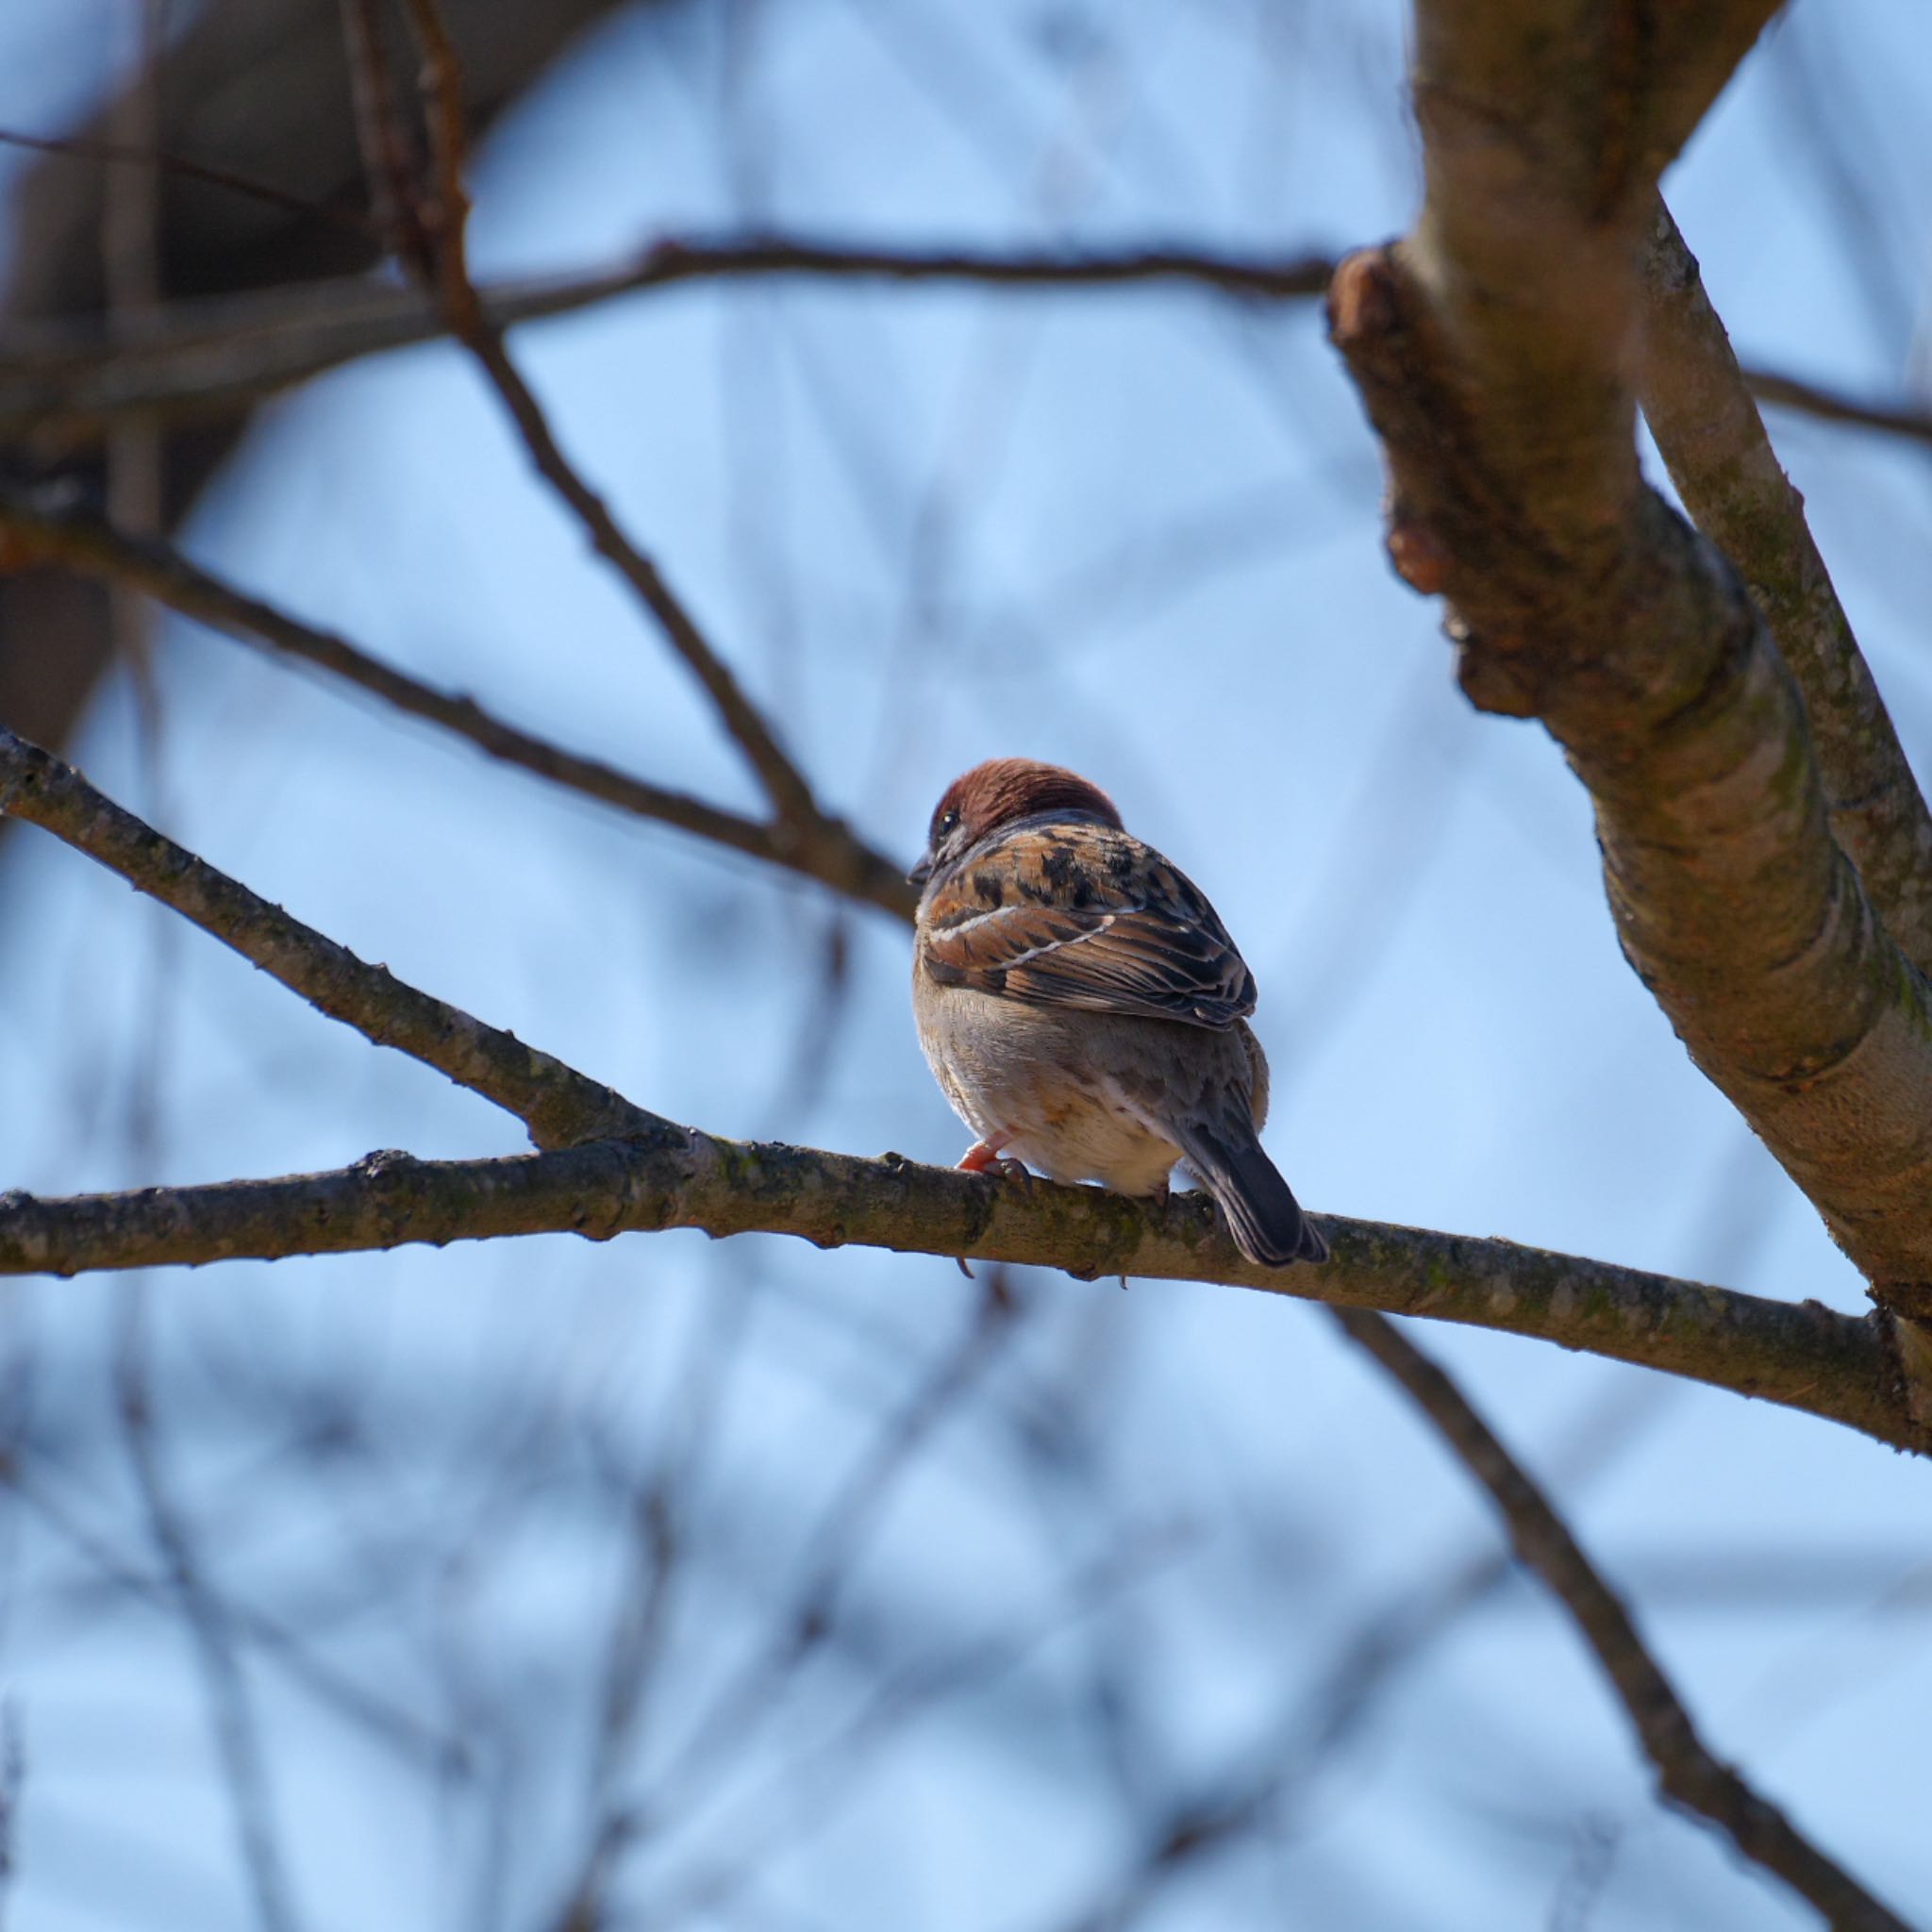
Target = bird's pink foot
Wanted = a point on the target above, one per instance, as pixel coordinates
(984, 1156)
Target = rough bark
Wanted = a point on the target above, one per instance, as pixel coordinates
(1708, 431)
(1802, 1355)
(1498, 351)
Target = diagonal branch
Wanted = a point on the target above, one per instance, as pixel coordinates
(1686, 1772)
(47, 528)
(559, 1105)
(1495, 350)
(430, 218)
(1713, 443)
(1910, 420)
(1802, 1355)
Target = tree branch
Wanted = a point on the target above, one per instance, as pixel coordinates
(45, 527)
(431, 219)
(195, 355)
(1713, 443)
(559, 1105)
(1802, 1355)
(620, 1167)
(1686, 1772)
(200, 356)
(1912, 421)
(1495, 349)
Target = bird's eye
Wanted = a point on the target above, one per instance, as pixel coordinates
(948, 820)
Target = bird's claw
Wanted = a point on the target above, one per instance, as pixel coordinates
(980, 1159)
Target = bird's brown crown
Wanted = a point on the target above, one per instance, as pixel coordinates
(1004, 790)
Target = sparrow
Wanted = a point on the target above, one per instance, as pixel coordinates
(1083, 1008)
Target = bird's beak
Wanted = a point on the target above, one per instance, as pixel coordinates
(920, 872)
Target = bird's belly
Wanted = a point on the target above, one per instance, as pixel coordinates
(1024, 1079)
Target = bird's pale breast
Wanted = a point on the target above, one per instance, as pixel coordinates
(1075, 1095)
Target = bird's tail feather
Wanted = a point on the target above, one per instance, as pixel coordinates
(1264, 1217)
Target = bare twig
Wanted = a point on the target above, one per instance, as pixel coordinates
(238, 1740)
(417, 1742)
(212, 352)
(1687, 1772)
(442, 211)
(57, 529)
(795, 1799)
(802, 1619)
(559, 1105)
(389, 162)
(222, 351)
(80, 147)
(1912, 421)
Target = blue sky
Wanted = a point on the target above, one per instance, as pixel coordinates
(1134, 532)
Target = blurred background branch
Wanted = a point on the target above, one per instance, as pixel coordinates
(975, 405)
(254, 88)
(62, 386)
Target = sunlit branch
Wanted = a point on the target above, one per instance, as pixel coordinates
(1713, 443)
(1802, 1355)
(1493, 349)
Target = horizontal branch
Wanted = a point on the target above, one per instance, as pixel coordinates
(51, 527)
(654, 1174)
(224, 352)
(1687, 1771)
(1802, 1355)
(1912, 421)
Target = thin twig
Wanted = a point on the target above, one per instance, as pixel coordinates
(388, 162)
(1686, 1772)
(1911, 419)
(238, 1738)
(418, 1744)
(216, 352)
(801, 1622)
(82, 147)
(56, 529)
(442, 214)
(796, 1799)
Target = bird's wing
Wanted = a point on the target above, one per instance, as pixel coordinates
(1078, 914)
